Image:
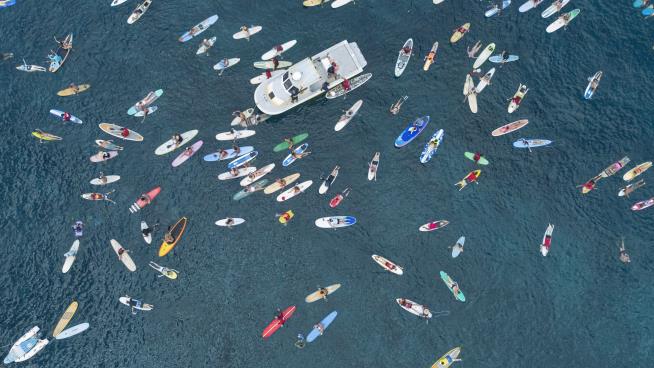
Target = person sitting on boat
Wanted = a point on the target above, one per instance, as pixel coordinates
(65, 116)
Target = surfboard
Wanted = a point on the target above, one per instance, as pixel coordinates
(147, 238)
(388, 265)
(70, 256)
(242, 160)
(403, 57)
(71, 91)
(339, 3)
(446, 360)
(222, 64)
(252, 30)
(450, 284)
(324, 323)
(199, 28)
(497, 59)
(434, 225)
(329, 180)
(471, 156)
(485, 54)
(373, 166)
(223, 222)
(250, 189)
(275, 186)
(458, 247)
(355, 83)
(531, 143)
(139, 11)
(72, 331)
(108, 145)
(414, 308)
(270, 65)
(485, 81)
(552, 9)
(278, 50)
(292, 192)
(320, 294)
(560, 23)
(65, 319)
(170, 145)
(631, 174)
(530, 4)
(432, 146)
(185, 155)
(412, 131)
(139, 304)
(205, 47)
(124, 258)
(116, 130)
(458, 34)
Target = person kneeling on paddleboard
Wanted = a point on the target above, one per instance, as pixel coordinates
(65, 116)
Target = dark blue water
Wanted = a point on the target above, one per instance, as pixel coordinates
(577, 307)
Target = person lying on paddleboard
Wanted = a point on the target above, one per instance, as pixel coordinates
(406, 50)
(281, 182)
(320, 327)
(298, 156)
(149, 230)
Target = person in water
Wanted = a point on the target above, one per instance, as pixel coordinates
(624, 256)
(78, 227)
(300, 341)
(65, 116)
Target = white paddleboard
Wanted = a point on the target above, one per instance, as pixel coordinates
(485, 80)
(251, 31)
(70, 256)
(125, 258)
(98, 157)
(230, 63)
(339, 3)
(237, 134)
(552, 9)
(373, 166)
(388, 265)
(59, 114)
(223, 222)
(72, 331)
(290, 193)
(241, 172)
(481, 59)
(257, 175)
(117, 2)
(349, 114)
(204, 48)
(108, 180)
(458, 247)
(150, 110)
(143, 306)
(147, 238)
(170, 146)
(276, 52)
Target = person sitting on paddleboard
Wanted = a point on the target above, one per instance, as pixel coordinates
(296, 189)
(230, 221)
(120, 253)
(245, 29)
(103, 179)
(188, 151)
(233, 171)
(177, 139)
(406, 49)
(74, 87)
(106, 155)
(65, 116)
(476, 157)
(124, 132)
(624, 257)
(240, 115)
(281, 182)
(320, 327)
(455, 289)
(504, 55)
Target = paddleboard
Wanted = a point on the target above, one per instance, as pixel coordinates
(333, 222)
(485, 54)
(297, 150)
(403, 57)
(227, 154)
(432, 146)
(71, 91)
(553, 9)
(510, 127)
(615, 167)
(70, 332)
(108, 179)
(243, 34)
(294, 191)
(242, 171)
(117, 2)
(277, 323)
(60, 114)
(339, 3)
(242, 160)
(285, 217)
(450, 285)
(125, 258)
(146, 101)
(150, 110)
(560, 23)
(446, 360)
(146, 237)
(414, 308)
(250, 189)
(517, 98)
(199, 28)
(434, 225)
(347, 117)
(205, 45)
(412, 131)
(99, 157)
(355, 83)
(176, 231)
(495, 9)
(257, 175)
(278, 50)
(458, 247)
(630, 188)
(339, 198)
(116, 131)
(170, 145)
(588, 93)
(547, 240)
(530, 4)
(309, 3)
(328, 181)
(270, 65)
(373, 166)
(222, 64)
(531, 143)
(235, 134)
(472, 97)
(388, 265)
(108, 145)
(186, 154)
(281, 183)
(631, 174)
(459, 32)
(297, 139)
(431, 57)
(638, 206)
(478, 160)
(30, 68)
(65, 318)
(485, 81)
(139, 304)
(236, 221)
(70, 256)
(320, 328)
(144, 199)
(164, 271)
(322, 293)
(237, 119)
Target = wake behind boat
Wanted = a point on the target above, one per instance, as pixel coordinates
(309, 78)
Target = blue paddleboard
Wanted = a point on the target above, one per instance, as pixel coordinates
(648, 11)
(412, 131)
(7, 3)
(638, 3)
(230, 154)
(242, 160)
(530, 143)
(298, 150)
(429, 151)
(315, 333)
(498, 59)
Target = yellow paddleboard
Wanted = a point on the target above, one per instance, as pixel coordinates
(308, 3)
(629, 175)
(320, 295)
(276, 186)
(176, 231)
(45, 136)
(71, 91)
(63, 321)
(458, 35)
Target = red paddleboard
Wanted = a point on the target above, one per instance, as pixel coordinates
(142, 202)
(276, 323)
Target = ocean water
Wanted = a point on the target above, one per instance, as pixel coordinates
(579, 306)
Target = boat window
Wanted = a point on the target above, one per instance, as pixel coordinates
(288, 84)
(271, 95)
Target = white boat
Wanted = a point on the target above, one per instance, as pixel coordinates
(26, 347)
(309, 78)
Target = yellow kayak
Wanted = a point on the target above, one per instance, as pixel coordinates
(629, 175)
(43, 136)
(176, 232)
(458, 34)
(446, 360)
(71, 91)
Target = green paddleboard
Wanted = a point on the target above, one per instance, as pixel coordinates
(297, 139)
(449, 282)
(471, 156)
